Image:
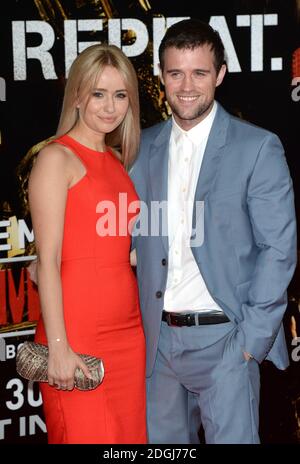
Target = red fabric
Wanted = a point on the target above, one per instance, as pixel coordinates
(102, 314)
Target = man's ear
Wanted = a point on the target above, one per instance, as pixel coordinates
(221, 75)
(161, 75)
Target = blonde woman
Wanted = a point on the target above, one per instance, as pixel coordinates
(87, 289)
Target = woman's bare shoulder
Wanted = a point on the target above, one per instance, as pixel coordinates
(52, 154)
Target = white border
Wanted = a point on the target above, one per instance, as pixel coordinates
(17, 333)
(20, 258)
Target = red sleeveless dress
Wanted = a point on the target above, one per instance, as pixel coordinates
(101, 308)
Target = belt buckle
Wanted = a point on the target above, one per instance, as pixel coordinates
(191, 320)
(168, 318)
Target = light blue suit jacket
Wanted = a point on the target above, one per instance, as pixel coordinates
(248, 255)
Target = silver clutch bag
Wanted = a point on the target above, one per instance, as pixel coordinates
(32, 364)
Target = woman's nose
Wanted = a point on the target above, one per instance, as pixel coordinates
(109, 105)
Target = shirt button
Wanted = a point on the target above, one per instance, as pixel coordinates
(186, 159)
(158, 294)
(163, 261)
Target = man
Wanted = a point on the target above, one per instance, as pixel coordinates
(212, 308)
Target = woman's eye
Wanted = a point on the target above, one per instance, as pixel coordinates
(121, 95)
(97, 94)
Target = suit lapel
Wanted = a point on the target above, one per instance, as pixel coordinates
(158, 168)
(212, 155)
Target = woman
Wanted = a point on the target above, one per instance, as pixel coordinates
(87, 289)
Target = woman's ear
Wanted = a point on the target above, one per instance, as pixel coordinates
(77, 101)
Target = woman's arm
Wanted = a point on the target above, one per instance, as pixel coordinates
(48, 188)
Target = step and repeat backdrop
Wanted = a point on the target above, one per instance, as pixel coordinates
(39, 39)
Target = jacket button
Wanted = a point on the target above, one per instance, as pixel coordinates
(163, 261)
(158, 294)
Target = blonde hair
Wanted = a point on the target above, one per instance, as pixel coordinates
(82, 78)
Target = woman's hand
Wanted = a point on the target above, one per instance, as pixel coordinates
(133, 259)
(62, 364)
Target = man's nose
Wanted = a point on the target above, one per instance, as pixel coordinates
(187, 83)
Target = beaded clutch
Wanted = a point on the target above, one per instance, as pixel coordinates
(32, 364)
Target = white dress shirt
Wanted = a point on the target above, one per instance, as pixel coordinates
(186, 290)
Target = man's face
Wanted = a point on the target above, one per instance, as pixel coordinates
(190, 80)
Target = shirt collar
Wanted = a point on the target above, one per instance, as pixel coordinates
(198, 132)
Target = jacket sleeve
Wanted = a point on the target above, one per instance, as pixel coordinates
(272, 214)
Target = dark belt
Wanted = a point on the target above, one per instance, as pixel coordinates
(183, 319)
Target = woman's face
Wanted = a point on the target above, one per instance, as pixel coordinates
(106, 106)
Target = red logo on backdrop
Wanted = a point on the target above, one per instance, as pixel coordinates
(19, 301)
